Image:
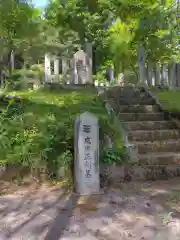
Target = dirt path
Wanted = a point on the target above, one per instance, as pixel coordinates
(131, 211)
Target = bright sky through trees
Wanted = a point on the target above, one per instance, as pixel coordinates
(40, 3)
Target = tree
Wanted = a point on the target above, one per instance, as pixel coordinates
(18, 25)
(146, 23)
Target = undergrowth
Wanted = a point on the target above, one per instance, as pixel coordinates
(37, 128)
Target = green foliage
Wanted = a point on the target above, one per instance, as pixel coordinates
(37, 67)
(19, 27)
(100, 76)
(111, 156)
(37, 129)
(149, 23)
(15, 81)
(65, 28)
(19, 79)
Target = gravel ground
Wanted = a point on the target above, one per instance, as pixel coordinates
(132, 211)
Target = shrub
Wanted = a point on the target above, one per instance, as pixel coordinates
(15, 81)
(37, 130)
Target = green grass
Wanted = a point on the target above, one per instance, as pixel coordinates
(38, 132)
(170, 100)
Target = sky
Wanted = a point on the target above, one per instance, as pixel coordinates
(40, 3)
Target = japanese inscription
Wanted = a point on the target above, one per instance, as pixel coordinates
(86, 154)
(87, 150)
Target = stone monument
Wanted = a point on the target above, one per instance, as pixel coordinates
(48, 76)
(64, 71)
(56, 70)
(86, 164)
(82, 68)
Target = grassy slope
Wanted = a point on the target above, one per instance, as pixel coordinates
(170, 100)
(38, 133)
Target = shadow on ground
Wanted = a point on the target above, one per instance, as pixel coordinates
(130, 211)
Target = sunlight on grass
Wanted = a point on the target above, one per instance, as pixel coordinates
(170, 100)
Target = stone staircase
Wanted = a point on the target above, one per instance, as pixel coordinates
(156, 136)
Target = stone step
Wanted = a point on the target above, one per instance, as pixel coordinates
(131, 172)
(121, 91)
(141, 116)
(158, 146)
(164, 158)
(149, 125)
(155, 172)
(131, 101)
(125, 90)
(154, 135)
(138, 108)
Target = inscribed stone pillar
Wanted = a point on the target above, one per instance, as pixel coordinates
(74, 75)
(87, 154)
(88, 50)
(56, 70)
(64, 71)
(48, 76)
(80, 65)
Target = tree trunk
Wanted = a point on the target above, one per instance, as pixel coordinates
(164, 76)
(171, 76)
(150, 74)
(157, 75)
(141, 64)
(89, 51)
(11, 61)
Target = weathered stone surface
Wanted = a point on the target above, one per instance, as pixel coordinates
(132, 152)
(149, 125)
(87, 154)
(138, 109)
(111, 174)
(158, 146)
(108, 144)
(48, 77)
(159, 158)
(82, 68)
(152, 132)
(153, 135)
(135, 101)
(130, 96)
(144, 172)
(64, 71)
(56, 70)
(141, 116)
